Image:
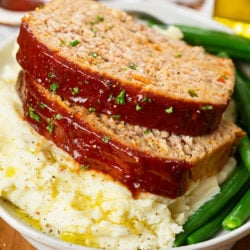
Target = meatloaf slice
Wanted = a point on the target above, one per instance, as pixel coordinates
(103, 59)
(144, 160)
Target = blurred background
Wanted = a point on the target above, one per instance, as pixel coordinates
(234, 14)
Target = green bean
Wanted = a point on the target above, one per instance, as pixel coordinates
(242, 97)
(209, 229)
(212, 227)
(236, 47)
(209, 209)
(214, 41)
(239, 214)
(244, 150)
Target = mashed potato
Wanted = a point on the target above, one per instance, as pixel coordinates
(82, 206)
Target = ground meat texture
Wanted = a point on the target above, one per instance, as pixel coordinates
(144, 160)
(103, 59)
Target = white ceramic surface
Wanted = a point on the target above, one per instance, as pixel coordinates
(224, 241)
(168, 13)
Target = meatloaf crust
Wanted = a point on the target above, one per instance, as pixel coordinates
(144, 160)
(104, 60)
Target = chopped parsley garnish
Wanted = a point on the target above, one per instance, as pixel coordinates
(92, 109)
(63, 43)
(85, 167)
(110, 97)
(100, 18)
(192, 93)
(58, 116)
(53, 87)
(75, 90)
(106, 138)
(92, 23)
(33, 115)
(43, 106)
(116, 117)
(50, 126)
(132, 66)
(93, 29)
(51, 75)
(74, 43)
(138, 107)
(147, 99)
(93, 54)
(120, 99)
(178, 54)
(147, 131)
(169, 110)
(207, 107)
(123, 68)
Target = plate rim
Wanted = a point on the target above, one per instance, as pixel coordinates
(25, 228)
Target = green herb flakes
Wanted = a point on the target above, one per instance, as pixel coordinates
(93, 54)
(58, 116)
(110, 97)
(120, 99)
(63, 43)
(178, 55)
(106, 138)
(85, 166)
(93, 29)
(43, 105)
(169, 110)
(51, 75)
(92, 109)
(115, 117)
(138, 107)
(147, 99)
(91, 23)
(123, 68)
(50, 126)
(132, 66)
(33, 115)
(207, 107)
(53, 87)
(74, 43)
(147, 131)
(75, 90)
(192, 93)
(100, 18)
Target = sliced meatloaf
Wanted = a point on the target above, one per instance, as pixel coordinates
(142, 159)
(103, 59)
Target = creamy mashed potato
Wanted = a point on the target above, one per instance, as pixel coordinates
(82, 206)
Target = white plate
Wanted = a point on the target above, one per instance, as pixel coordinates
(170, 14)
(9, 17)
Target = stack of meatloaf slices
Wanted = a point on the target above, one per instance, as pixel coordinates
(123, 99)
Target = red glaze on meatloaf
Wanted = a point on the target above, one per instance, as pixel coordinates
(143, 160)
(113, 65)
